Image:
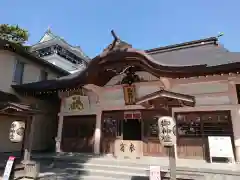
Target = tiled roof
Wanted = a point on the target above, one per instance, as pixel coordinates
(184, 45)
(204, 51)
(52, 37)
(9, 46)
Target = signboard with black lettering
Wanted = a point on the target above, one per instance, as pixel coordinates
(167, 130)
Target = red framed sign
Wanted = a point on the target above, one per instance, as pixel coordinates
(132, 115)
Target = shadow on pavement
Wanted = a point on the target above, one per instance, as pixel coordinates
(139, 178)
(55, 166)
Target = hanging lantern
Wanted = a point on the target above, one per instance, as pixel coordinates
(16, 132)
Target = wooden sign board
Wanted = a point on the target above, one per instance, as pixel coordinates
(220, 146)
(76, 103)
(155, 173)
(129, 94)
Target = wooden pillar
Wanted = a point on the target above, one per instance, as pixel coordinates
(28, 138)
(175, 145)
(59, 134)
(235, 114)
(97, 134)
(232, 92)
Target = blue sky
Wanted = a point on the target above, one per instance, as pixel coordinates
(143, 23)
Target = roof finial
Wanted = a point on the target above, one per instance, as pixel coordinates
(114, 35)
(220, 34)
(49, 29)
(115, 39)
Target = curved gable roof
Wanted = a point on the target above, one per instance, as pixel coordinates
(115, 58)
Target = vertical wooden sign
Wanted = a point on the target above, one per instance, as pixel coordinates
(129, 94)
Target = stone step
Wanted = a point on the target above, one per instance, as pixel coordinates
(91, 167)
(67, 176)
(105, 167)
(87, 166)
(145, 163)
(110, 171)
(114, 173)
(87, 169)
(105, 160)
(100, 170)
(82, 173)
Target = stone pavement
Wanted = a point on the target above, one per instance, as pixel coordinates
(95, 164)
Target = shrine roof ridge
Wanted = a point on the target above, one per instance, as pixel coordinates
(200, 42)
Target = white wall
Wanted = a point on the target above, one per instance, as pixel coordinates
(32, 70)
(61, 62)
(44, 124)
(206, 93)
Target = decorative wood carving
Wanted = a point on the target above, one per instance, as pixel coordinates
(76, 104)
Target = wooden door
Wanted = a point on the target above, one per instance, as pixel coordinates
(152, 147)
(78, 134)
(151, 143)
(191, 148)
(190, 141)
(111, 130)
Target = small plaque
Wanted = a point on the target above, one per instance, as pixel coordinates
(155, 173)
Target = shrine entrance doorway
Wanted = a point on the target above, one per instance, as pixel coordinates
(122, 133)
(130, 144)
(132, 130)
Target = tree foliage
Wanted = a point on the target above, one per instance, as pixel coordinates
(13, 33)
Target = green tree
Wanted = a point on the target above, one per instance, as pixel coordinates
(13, 33)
